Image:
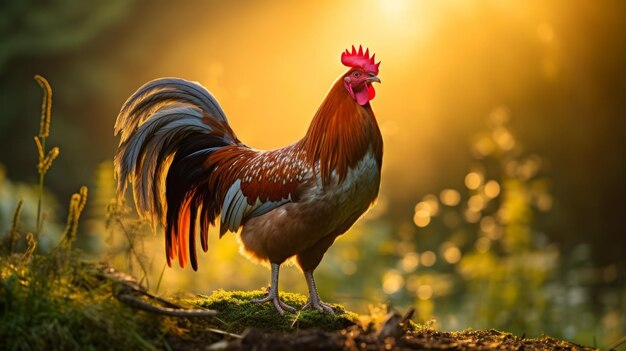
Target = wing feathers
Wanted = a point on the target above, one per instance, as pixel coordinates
(265, 207)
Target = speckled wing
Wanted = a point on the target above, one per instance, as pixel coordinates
(260, 181)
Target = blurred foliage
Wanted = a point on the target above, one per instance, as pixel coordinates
(11, 193)
(478, 258)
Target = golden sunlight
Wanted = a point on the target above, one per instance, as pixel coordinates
(393, 7)
(492, 115)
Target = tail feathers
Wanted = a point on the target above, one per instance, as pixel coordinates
(168, 129)
(162, 92)
(188, 194)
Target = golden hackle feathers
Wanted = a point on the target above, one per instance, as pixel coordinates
(340, 134)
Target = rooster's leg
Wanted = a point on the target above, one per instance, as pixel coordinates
(272, 294)
(314, 298)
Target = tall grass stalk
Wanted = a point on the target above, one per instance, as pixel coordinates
(45, 160)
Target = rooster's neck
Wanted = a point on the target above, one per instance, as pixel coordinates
(341, 133)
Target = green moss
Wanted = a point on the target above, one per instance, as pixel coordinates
(236, 312)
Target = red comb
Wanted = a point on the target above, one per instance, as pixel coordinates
(360, 59)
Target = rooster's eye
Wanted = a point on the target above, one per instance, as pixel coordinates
(356, 74)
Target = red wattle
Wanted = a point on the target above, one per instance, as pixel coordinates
(371, 91)
(362, 97)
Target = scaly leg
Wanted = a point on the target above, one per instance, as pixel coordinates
(314, 298)
(272, 294)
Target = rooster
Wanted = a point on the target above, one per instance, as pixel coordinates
(187, 168)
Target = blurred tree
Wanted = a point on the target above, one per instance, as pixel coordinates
(35, 28)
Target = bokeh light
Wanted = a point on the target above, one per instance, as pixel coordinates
(503, 138)
(450, 197)
(452, 254)
(392, 282)
(492, 189)
(483, 244)
(410, 262)
(471, 215)
(476, 203)
(473, 180)
(421, 218)
(424, 292)
(428, 258)
(543, 202)
(429, 204)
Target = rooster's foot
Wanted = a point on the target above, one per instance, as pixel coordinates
(281, 307)
(318, 305)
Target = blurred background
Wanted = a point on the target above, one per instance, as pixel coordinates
(504, 171)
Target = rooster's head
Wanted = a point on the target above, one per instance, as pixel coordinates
(363, 72)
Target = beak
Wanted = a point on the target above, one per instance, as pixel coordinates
(373, 78)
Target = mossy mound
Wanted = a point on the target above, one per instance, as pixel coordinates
(236, 312)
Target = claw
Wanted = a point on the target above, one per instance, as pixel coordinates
(272, 294)
(314, 298)
(280, 306)
(318, 305)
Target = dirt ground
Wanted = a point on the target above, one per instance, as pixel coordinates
(397, 333)
(354, 338)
